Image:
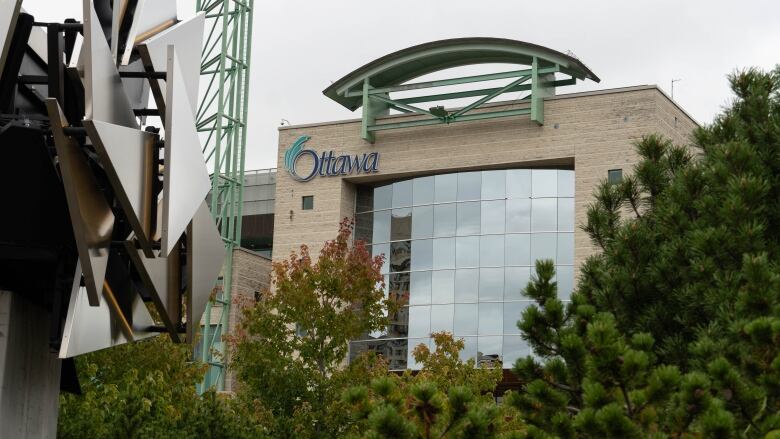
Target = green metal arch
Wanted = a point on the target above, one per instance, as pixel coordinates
(406, 64)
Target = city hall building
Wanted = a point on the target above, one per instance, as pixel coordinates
(462, 201)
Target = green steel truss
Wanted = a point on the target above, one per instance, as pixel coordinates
(221, 122)
(539, 81)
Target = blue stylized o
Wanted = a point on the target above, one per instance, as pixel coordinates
(315, 167)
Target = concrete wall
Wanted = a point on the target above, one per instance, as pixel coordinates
(593, 131)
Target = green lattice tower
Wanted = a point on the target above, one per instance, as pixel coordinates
(221, 122)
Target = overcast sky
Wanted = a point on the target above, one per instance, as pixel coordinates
(299, 46)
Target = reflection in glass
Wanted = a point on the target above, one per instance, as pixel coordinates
(444, 219)
(543, 246)
(422, 224)
(544, 215)
(364, 227)
(518, 183)
(489, 349)
(566, 214)
(493, 216)
(381, 226)
(441, 318)
(565, 183)
(446, 188)
(413, 343)
(518, 249)
(468, 218)
(512, 313)
(466, 319)
(400, 254)
(422, 190)
(443, 286)
(518, 215)
(364, 199)
(422, 254)
(491, 284)
(419, 321)
(382, 249)
(420, 291)
(514, 348)
(466, 285)
(402, 193)
(383, 197)
(469, 349)
(469, 186)
(565, 277)
(398, 287)
(401, 224)
(491, 250)
(516, 280)
(443, 253)
(467, 251)
(544, 183)
(493, 184)
(565, 248)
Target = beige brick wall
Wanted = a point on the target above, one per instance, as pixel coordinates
(594, 131)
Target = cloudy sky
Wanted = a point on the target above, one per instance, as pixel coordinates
(299, 46)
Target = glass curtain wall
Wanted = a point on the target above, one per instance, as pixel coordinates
(459, 250)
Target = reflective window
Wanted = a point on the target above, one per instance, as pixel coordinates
(467, 251)
(444, 219)
(566, 214)
(383, 197)
(491, 284)
(398, 288)
(400, 256)
(469, 186)
(493, 185)
(441, 318)
(489, 349)
(443, 286)
(401, 224)
(420, 291)
(445, 188)
(544, 215)
(382, 249)
(364, 224)
(565, 248)
(518, 183)
(381, 226)
(518, 249)
(544, 183)
(422, 224)
(564, 275)
(512, 313)
(413, 343)
(514, 349)
(422, 254)
(466, 318)
(469, 349)
(468, 218)
(543, 246)
(419, 321)
(422, 190)
(493, 216)
(491, 250)
(491, 318)
(565, 183)
(518, 215)
(402, 193)
(515, 281)
(443, 253)
(466, 285)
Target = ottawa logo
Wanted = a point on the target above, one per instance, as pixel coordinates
(327, 164)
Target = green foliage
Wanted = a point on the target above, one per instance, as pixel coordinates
(675, 326)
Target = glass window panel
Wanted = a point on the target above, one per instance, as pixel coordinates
(518, 249)
(491, 250)
(543, 246)
(443, 286)
(441, 318)
(544, 215)
(364, 227)
(383, 197)
(468, 218)
(401, 224)
(402, 193)
(544, 183)
(420, 288)
(422, 254)
(565, 183)
(514, 349)
(565, 248)
(469, 186)
(518, 215)
(382, 249)
(444, 219)
(489, 349)
(469, 349)
(466, 318)
(445, 188)
(422, 190)
(466, 285)
(564, 275)
(491, 318)
(443, 253)
(518, 183)
(516, 280)
(400, 255)
(467, 251)
(493, 216)
(491, 284)
(493, 184)
(419, 321)
(381, 226)
(364, 201)
(413, 343)
(422, 222)
(512, 313)
(398, 288)
(566, 214)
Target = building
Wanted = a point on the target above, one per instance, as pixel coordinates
(463, 201)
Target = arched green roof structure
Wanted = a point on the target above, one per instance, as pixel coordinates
(406, 64)
(370, 85)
